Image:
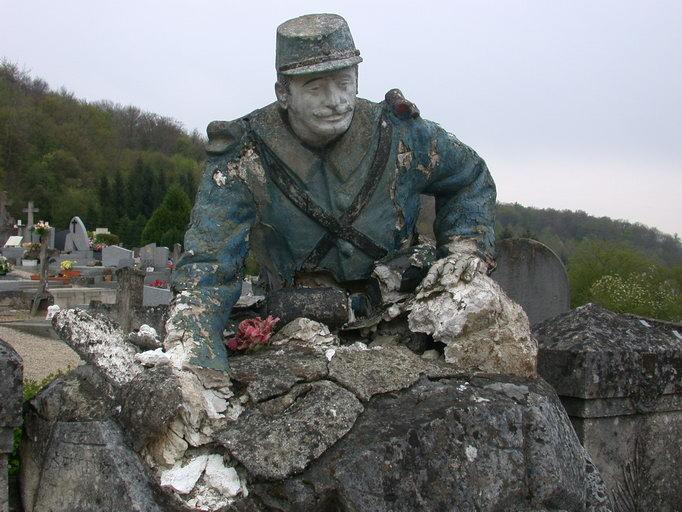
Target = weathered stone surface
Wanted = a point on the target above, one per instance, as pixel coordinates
(377, 370)
(274, 371)
(533, 276)
(74, 457)
(480, 444)
(306, 333)
(149, 403)
(98, 341)
(619, 378)
(282, 436)
(484, 331)
(11, 374)
(85, 466)
(128, 296)
(591, 352)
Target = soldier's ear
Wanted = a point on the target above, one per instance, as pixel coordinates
(282, 95)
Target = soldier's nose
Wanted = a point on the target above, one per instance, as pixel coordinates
(335, 97)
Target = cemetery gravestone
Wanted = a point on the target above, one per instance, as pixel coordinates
(160, 258)
(533, 276)
(13, 250)
(176, 252)
(29, 211)
(115, 256)
(77, 239)
(147, 255)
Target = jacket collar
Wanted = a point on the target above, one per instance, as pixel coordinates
(343, 157)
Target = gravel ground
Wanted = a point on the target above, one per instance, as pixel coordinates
(42, 356)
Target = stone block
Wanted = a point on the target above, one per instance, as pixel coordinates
(620, 379)
(11, 399)
(533, 276)
(75, 457)
(153, 296)
(115, 256)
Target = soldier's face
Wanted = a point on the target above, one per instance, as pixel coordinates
(320, 106)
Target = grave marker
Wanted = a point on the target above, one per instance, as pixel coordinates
(77, 239)
(533, 276)
(115, 256)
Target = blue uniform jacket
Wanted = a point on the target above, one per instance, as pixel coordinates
(239, 208)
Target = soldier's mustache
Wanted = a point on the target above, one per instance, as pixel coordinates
(330, 112)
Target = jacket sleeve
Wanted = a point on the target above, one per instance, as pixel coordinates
(208, 277)
(464, 191)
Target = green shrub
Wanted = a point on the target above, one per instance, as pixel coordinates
(646, 293)
(107, 238)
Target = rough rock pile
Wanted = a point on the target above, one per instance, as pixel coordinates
(306, 424)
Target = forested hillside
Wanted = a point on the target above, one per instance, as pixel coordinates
(111, 165)
(136, 173)
(563, 230)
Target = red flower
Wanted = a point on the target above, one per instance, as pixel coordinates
(252, 332)
(159, 283)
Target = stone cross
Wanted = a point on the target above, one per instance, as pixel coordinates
(29, 222)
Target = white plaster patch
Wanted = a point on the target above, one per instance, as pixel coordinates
(247, 168)
(151, 358)
(223, 479)
(219, 178)
(148, 331)
(330, 353)
(182, 479)
(471, 453)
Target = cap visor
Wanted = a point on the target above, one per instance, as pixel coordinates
(322, 67)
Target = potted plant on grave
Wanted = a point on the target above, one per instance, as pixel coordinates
(67, 270)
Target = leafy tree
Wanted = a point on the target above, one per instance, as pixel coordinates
(168, 223)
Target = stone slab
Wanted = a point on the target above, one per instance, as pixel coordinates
(591, 352)
(152, 296)
(115, 256)
(11, 375)
(533, 276)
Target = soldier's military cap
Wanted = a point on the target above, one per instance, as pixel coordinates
(315, 43)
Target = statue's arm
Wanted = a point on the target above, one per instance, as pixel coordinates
(465, 196)
(208, 277)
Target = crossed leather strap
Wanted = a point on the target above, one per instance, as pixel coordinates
(342, 227)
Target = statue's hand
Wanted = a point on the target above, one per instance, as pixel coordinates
(462, 264)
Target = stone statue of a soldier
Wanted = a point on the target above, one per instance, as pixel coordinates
(321, 183)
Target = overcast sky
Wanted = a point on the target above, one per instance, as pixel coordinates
(574, 104)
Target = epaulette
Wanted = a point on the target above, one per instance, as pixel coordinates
(401, 107)
(222, 135)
